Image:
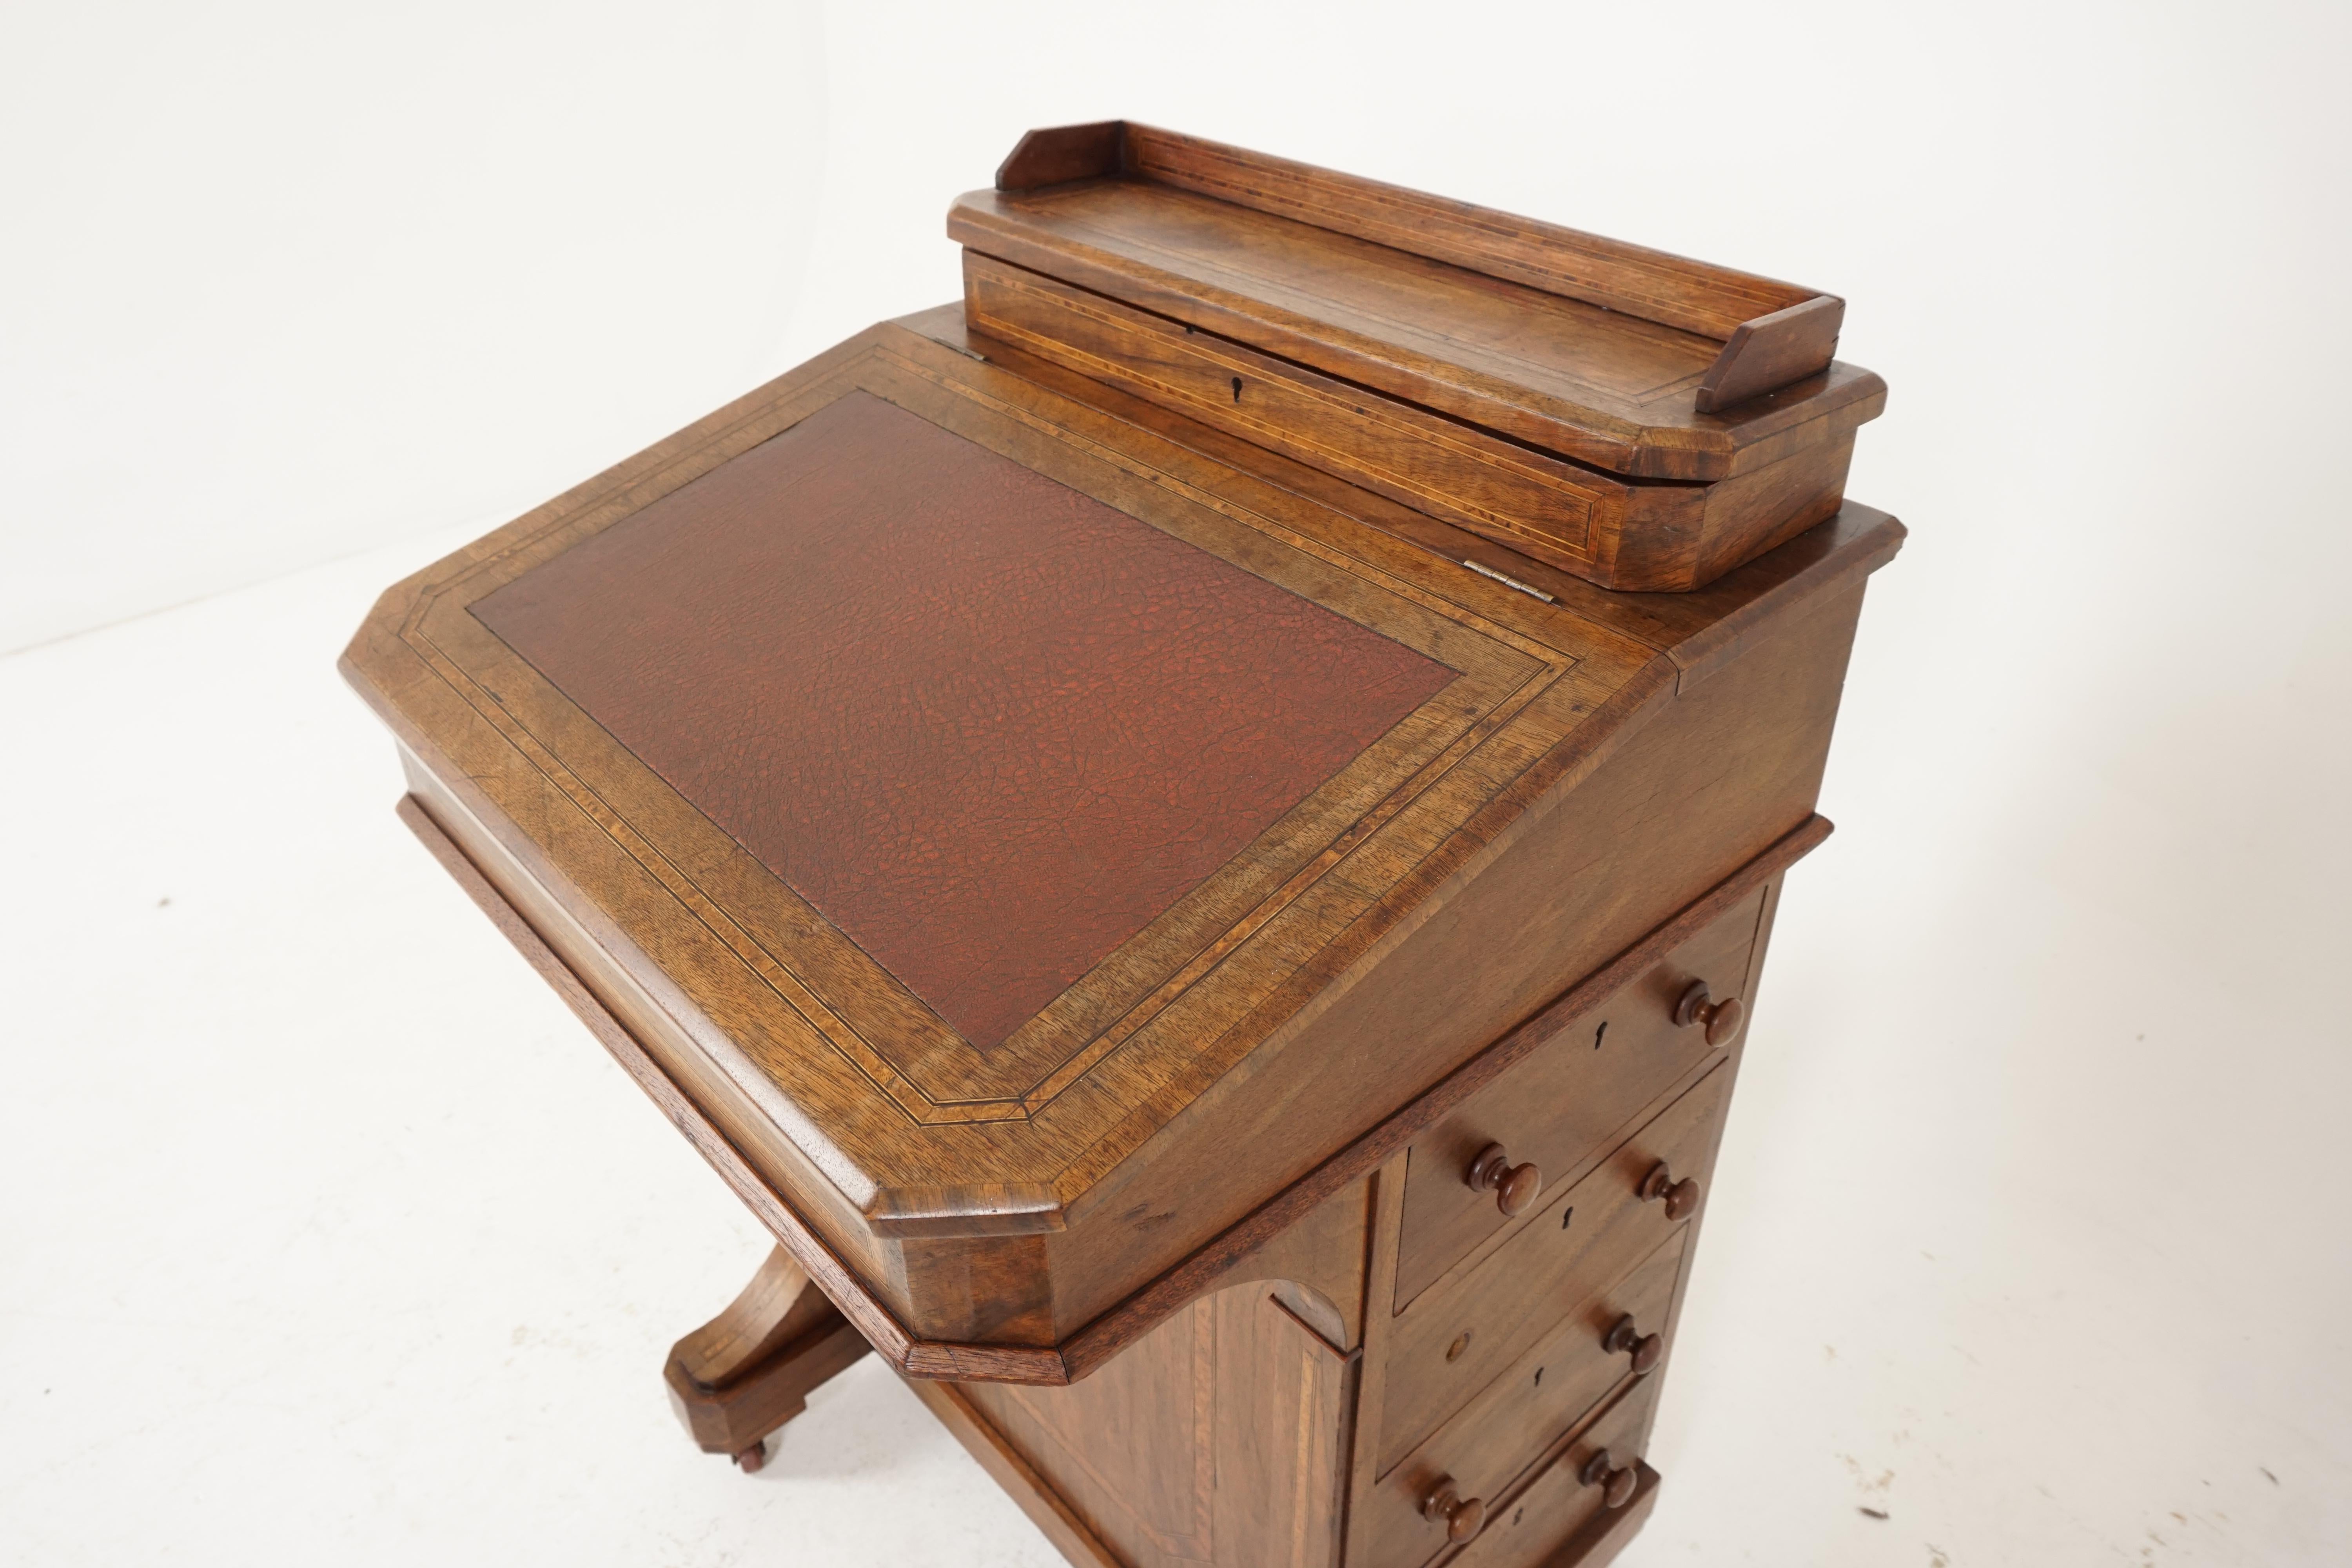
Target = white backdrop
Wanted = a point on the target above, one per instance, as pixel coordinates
(2035, 1166)
(285, 280)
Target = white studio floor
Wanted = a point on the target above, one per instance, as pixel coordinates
(327, 1236)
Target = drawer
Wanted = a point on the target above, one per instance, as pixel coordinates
(1563, 1105)
(1462, 1336)
(1527, 1529)
(1536, 1402)
(1539, 504)
(1626, 534)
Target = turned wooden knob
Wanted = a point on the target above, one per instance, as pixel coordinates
(1616, 1483)
(1514, 1187)
(1721, 1020)
(1463, 1516)
(1681, 1196)
(1622, 1337)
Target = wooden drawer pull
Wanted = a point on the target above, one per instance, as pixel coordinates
(1514, 1187)
(1622, 1336)
(1463, 1516)
(1616, 1483)
(1681, 1198)
(1720, 1019)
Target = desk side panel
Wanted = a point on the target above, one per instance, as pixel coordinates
(1218, 1439)
(1713, 781)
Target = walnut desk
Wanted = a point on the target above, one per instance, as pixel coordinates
(1226, 976)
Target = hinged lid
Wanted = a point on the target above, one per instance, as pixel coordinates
(1640, 362)
(973, 761)
(953, 785)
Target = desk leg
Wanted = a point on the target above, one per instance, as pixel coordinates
(750, 1369)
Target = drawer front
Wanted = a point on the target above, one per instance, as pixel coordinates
(1458, 1339)
(1528, 1529)
(1560, 1108)
(1549, 509)
(1536, 1402)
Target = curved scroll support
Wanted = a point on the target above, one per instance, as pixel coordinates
(749, 1369)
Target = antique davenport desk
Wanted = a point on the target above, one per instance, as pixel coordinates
(1194, 833)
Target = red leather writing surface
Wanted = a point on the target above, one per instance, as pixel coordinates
(988, 726)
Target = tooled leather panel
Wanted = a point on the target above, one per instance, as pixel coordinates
(988, 726)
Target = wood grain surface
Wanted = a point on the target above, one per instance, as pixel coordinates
(1560, 1108)
(1619, 533)
(1053, 1515)
(1697, 629)
(1302, 1234)
(1770, 330)
(1487, 1445)
(1705, 786)
(1586, 347)
(1586, 1240)
(1029, 1208)
(1159, 827)
(1230, 1446)
(749, 1369)
(1555, 1519)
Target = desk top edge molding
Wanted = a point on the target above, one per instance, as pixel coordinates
(1097, 1342)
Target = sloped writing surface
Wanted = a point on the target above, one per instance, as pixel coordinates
(987, 725)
